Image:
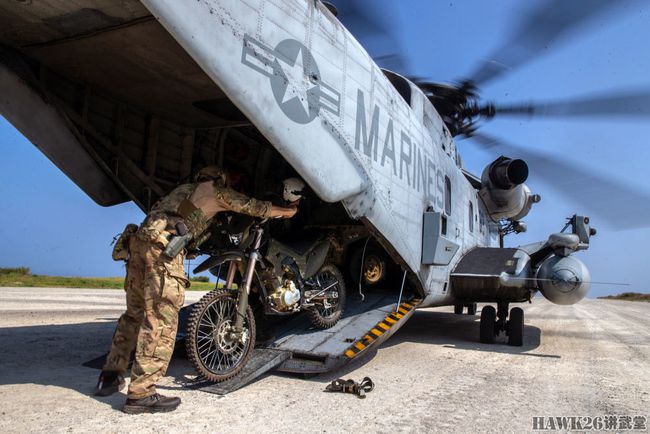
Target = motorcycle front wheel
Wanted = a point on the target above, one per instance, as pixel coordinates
(212, 348)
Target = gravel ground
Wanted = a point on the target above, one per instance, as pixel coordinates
(590, 359)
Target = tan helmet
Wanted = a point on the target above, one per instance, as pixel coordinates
(212, 173)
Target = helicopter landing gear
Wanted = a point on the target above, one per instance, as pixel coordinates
(471, 308)
(488, 324)
(494, 321)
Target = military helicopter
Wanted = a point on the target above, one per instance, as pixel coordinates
(279, 88)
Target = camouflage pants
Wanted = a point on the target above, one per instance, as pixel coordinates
(155, 291)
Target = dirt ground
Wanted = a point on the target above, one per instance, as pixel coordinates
(590, 359)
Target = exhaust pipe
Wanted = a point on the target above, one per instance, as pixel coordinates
(506, 173)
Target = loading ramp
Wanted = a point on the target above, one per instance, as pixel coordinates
(298, 347)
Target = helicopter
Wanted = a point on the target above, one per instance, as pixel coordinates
(283, 88)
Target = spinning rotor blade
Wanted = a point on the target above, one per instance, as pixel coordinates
(628, 103)
(367, 22)
(542, 25)
(620, 205)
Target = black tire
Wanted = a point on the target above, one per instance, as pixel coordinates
(471, 309)
(488, 321)
(321, 317)
(207, 354)
(376, 261)
(458, 309)
(516, 327)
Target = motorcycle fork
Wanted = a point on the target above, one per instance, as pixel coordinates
(230, 277)
(244, 291)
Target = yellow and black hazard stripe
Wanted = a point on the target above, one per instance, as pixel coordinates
(381, 328)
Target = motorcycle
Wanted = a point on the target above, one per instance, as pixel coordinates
(287, 278)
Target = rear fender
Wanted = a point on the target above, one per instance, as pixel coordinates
(315, 259)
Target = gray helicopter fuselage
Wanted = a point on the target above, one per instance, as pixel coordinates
(294, 70)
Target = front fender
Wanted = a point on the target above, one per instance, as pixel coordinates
(215, 261)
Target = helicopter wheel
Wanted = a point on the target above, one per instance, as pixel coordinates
(458, 309)
(471, 309)
(488, 322)
(516, 327)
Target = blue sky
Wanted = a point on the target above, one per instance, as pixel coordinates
(51, 226)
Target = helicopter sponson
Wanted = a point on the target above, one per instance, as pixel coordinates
(490, 274)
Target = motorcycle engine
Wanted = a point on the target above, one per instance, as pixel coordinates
(285, 298)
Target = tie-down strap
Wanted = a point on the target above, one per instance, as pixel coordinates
(350, 386)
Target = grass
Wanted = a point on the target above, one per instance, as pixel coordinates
(22, 277)
(629, 296)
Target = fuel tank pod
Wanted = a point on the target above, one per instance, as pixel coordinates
(563, 280)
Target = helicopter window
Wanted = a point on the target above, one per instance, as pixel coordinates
(400, 84)
(471, 217)
(447, 195)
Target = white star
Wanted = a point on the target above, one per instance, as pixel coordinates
(298, 83)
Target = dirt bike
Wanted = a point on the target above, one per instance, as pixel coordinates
(288, 279)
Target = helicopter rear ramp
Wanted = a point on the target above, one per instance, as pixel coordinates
(298, 347)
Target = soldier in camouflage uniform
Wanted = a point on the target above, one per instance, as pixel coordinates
(155, 285)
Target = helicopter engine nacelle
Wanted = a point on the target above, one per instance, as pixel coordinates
(503, 190)
(563, 279)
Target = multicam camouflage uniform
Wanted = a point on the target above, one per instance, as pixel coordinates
(155, 289)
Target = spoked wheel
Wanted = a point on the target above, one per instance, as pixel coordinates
(329, 309)
(215, 351)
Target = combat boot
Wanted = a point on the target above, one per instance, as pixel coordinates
(151, 404)
(109, 382)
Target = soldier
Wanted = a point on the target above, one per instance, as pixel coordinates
(155, 284)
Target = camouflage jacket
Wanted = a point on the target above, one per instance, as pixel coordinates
(226, 199)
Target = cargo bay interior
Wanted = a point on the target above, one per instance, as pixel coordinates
(144, 117)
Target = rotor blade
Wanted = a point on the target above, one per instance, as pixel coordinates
(621, 206)
(628, 103)
(543, 24)
(368, 23)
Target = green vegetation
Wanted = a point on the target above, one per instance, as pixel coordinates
(629, 296)
(23, 277)
(19, 270)
(203, 279)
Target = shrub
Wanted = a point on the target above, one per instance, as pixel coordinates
(25, 271)
(200, 279)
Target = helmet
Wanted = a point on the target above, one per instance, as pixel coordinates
(293, 188)
(212, 173)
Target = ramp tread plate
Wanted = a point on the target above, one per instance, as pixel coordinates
(332, 342)
(262, 360)
(384, 328)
